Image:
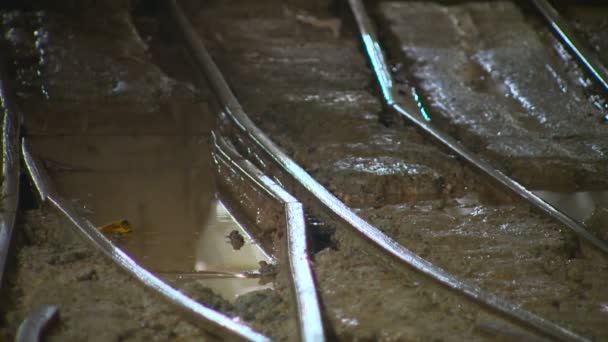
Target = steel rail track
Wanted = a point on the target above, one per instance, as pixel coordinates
(410, 112)
(316, 193)
(566, 34)
(295, 250)
(9, 201)
(35, 324)
(301, 278)
(206, 318)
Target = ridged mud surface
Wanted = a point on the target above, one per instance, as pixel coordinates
(487, 72)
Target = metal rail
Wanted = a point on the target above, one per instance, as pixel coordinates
(33, 327)
(318, 194)
(586, 56)
(303, 288)
(9, 201)
(201, 315)
(385, 79)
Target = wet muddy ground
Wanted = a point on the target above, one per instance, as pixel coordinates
(506, 87)
(414, 192)
(129, 146)
(131, 142)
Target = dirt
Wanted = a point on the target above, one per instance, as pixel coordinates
(298, 71)
(501, 82)
(507, 250)
(116, 144)
(330, 122)
(99, 302)
(590, 20)
(96, 301)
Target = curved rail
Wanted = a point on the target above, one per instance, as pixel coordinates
(205, 317)
(378, 61)
(303, 287)
(9, 201)
(587, 57)
(233, 110)
(33, 327)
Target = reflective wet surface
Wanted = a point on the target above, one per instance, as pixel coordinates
(130, 144)
(498, 80)
(163, 187)
(413, 193)
(589, 207)
(127, 140)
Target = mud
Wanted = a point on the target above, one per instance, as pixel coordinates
(129, 141)
(96, 301)
(496, 77)
(591, 21)
(330, 122)
(298, 70)
(509, 251)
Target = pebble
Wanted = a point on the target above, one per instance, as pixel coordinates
(87, 274)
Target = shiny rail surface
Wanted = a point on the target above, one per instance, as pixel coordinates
(303, 288)
(203, 316)
(33, 327)
(318, 194)
(9, 201)
(566, 34)
(385, 80)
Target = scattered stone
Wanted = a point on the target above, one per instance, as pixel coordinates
(207, 297)
(266, 311)
(267, 272)
(236, 239)
(87, 274)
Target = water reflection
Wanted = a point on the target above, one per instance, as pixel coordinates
(589, 207)
(578, 205)
(213, 253)
(163, 187)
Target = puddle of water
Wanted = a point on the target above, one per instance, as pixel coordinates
(588, 207)
(163, 187)
(578, 205)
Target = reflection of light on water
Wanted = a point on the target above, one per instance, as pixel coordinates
(215, 253)
(381, 166)
(200, 265)
(578, 205)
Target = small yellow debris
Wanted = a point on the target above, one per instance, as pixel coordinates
(121, 227)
